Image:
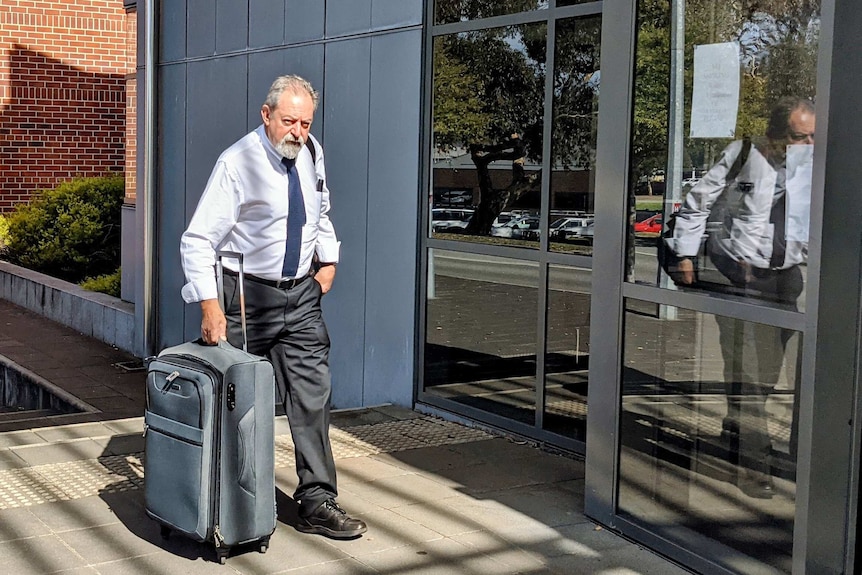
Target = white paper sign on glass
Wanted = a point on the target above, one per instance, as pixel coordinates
(715, 94)
(800, 162)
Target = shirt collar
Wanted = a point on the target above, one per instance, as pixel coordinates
(267, 145)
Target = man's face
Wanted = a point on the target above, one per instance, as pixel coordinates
(800, 127)
(287, 125)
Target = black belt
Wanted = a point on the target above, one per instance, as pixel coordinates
(279, 284)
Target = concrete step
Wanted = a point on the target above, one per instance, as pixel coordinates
(9, 415)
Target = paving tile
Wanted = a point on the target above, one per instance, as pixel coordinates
(490, 476)
(159, 563)
(20, 524)
(59, 452)
(497, 449)
(439, 517)
(43, 554)
(386, 530)
(289, 549)
(16, 438)
(105, 543)
(630, 560)
(348, 566)
(67, 432)
(122, 444)
(515, 559)
(491, 515)
(364, 469)
(88, 512)
(585, 539)
(437, 458)
(438, 557)
(126, 426)
(390, 492)
(549, 505)
(10, 460)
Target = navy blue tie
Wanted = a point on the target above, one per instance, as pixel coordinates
(295, 220)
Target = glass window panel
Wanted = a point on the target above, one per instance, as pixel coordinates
(746, 73)
(572, 2)
(576, 97)
(567, 353)
(708, 436)
(448, 11)
(480, 341)
(487, 135)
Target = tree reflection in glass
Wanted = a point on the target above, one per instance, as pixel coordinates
(488, 124)
(448, 11)
(488, 109)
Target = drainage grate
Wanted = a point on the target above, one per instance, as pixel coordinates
(121, 473)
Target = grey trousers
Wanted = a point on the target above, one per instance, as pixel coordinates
(753, 357)
(287, 327)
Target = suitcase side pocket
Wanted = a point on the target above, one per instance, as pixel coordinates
(246, 452)
(179, 453)
(173, 481)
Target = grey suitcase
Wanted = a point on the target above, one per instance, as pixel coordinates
(209, 460)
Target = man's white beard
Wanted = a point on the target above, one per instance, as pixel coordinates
(289, 146)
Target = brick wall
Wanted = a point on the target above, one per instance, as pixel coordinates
(65, 67)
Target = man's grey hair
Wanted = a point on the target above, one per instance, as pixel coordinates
(291, 83)
(779, 118)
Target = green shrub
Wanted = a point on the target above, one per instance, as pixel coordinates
(4, 232)
(108, 283)
(70, 232)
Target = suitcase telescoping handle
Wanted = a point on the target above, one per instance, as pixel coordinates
(223, 297)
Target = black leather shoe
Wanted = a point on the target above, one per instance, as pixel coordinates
(757, 485)
(331, 520)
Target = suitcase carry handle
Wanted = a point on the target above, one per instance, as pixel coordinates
(222, 299)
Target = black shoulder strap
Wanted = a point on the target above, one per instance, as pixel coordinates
(310, 145)
(737, 164)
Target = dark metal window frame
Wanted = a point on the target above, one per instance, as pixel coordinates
(543, 256)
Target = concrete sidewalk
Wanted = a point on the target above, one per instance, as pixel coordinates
(438, 497)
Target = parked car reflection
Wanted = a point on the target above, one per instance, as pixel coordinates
(450, 220)
(573, 229)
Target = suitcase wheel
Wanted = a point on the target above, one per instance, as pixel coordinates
(221, 553)
(165, 531)
(264, 545)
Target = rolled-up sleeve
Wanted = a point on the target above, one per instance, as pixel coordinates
(214, 217)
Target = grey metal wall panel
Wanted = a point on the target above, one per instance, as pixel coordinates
(395, 13)
(201, 28)
(346, 150)
(172, 30)
(231, 25)
(215, 119)
(171, 183)
(265, 23)
(347, 17)
(264, 67)
(393, 206)
(303, 20)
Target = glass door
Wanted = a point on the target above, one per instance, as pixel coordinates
(513, 100)
(712, 270)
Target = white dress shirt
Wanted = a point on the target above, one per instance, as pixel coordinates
(746, 234)
(244, 209)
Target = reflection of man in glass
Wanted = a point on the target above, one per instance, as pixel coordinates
(751, 198)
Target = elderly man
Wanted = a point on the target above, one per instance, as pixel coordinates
(746, 195)
(267, 198)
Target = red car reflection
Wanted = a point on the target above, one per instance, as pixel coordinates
(651, 225)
